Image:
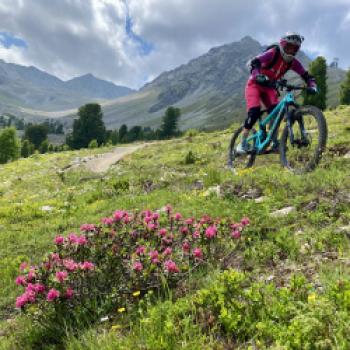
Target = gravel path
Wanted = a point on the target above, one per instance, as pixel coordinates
(102, 163)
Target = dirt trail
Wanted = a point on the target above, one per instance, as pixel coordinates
(103, 162)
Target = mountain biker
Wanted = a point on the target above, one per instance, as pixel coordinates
(266, 69)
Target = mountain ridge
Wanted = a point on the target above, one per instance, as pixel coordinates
(30, 87)
(209, 89)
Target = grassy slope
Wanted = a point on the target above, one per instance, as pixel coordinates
(293, 242)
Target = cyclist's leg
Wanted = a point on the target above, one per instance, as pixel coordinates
(252, 96)
(270, 100)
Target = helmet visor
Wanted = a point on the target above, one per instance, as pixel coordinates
(291, 49)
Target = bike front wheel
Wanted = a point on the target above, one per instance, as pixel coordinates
(303, 140)
(238, 161)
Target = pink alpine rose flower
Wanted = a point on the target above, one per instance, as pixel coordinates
(61, 276)
(23, 266)
(196, 234)
(184, 230)
(25, 298)
(107, 221)
(146, 213)
(55, 257)
(148, 219)
(21, 281)
(137, 266)
(70, 264)
(87, 227)
(59, 240)
(155, 261)
(118, 215)
(197, 253)
(21, 301)
(170, 266)
(236, 227)
(52, 294)
(151, 227)
(69, 293)
(205, 219)
(153, 254)
(126, 219)
(162, 232)
(86, 266)
(73, 238)
(39, 288)
(140, 250)
(167, 251)
(178, 216)
(210, 232)
(186, 247)
(155, 216)
(245, 221)
(189, 221)
(236, 234)
(82, 240)
(31, 276)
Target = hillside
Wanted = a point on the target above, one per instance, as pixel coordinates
(28, 87)
(282, 285)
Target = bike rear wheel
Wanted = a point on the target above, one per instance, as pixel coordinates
(238, 161)
(304, 140)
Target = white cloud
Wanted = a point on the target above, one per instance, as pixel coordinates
(73, 37)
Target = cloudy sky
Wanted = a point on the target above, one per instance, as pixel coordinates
(130, 42)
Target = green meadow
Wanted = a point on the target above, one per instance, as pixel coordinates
(286, 287)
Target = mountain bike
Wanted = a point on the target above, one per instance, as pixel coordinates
(303, 139)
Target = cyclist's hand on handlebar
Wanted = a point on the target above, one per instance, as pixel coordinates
(262, 79)
(312, 90)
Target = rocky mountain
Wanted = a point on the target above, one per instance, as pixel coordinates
(92, 87)
(209, 90)
(31, 88)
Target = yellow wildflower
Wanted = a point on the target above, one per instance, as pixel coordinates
(311, 298)
(136, 294)
(121, 309)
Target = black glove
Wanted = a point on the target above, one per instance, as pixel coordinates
(312, 90)
(262, 80)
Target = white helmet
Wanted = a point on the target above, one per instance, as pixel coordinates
(289, 45)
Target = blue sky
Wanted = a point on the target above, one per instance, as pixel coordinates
(130, 42)
(145, 47)
(7, 40)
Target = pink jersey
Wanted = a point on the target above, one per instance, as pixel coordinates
(279, 68)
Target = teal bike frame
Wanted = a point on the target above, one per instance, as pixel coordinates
(261, 138)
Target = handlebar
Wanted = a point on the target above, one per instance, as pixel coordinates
(283, 84)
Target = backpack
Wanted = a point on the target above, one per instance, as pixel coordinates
(275, 57)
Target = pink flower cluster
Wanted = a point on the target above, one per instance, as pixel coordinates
(171, 267)
(34, 292)
(71, 239)
(142, 245)
(210, 232)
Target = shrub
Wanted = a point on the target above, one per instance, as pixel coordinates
(190, 158)
(93, 144)
(94, 272)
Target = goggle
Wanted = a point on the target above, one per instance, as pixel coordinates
(298, 38)
(291, 49)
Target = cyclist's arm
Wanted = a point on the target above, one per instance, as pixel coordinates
(298, 68)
